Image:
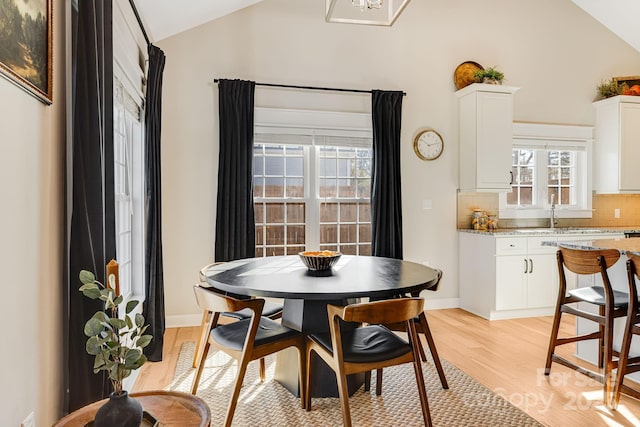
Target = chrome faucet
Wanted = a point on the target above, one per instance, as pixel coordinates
(552, 214)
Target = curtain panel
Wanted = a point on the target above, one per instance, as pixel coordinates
(153, 306)
(386, 197)
(235, 222)
(90, 193)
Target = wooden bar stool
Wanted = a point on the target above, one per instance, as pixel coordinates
(627, 365)
(611, 304)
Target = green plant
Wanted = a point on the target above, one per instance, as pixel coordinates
(115, 342)
(609, 88)
(488, 73)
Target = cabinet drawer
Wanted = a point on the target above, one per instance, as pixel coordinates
(511, 245)
(534, 244)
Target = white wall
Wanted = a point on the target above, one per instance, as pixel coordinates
(31, 226)
(552, 49)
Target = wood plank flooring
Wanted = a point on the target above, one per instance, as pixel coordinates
(507, 356)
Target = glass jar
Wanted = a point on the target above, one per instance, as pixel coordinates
(479, 220)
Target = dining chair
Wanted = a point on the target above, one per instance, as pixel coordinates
(370, 347)
(610, 304)
(626, 364)
(272, 310)
(422, 327)
(245, 340)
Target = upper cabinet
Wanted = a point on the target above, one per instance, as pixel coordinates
(617, 146)
(486, 133)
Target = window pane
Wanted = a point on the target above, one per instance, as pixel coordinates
(364, 249)
(274, 187)
(275, 251)
(295, 234)
(526, 196)
(566, 158)
(292, 250)
(258, 166)
(328, 247)
(364, 188)
(258, 187)
(328, 188)
(348, 212)
(295, 166)
(258, 212)
(553, 176)
(346, 188)
(259, 252)
(526, 157)
(348, 249)
(554, 158)
(565, 173)
(328, 233)
(274, 166)
(512, 196)
(275, 213)
(260, 235)
(344, 167)
(364, 232)
(565, 196)
(328, 167)
(348, 233)
(295, 187)
(364, 212)
(275, 234)
(553, 191)
(526, 175)
(295, 213)
(329, 212)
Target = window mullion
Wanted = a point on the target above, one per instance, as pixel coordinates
(312, 192)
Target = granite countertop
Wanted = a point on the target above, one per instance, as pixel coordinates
(548, 231)
(630, 245)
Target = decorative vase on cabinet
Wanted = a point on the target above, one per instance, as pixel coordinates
(486, 137)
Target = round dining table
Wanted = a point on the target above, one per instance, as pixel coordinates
(306, 294)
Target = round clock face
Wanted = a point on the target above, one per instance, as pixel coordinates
(428, 144)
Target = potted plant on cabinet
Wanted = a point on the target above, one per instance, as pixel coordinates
(117, 343)
(490, 75)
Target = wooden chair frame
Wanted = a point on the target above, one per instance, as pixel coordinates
(208, 320)
(626, 364)
(218, 303)
(379, 312)
(587, 262)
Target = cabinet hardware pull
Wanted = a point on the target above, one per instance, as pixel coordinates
(525, 266)
(530, 265)
(511, 179)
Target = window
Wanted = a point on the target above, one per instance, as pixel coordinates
(550, 163)
(312, 188)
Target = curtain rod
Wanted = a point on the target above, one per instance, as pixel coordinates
(135, 12)
(313, 88)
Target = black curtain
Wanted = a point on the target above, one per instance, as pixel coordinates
(153, 306)
(386, 197)
(91, 226)
(235, 223)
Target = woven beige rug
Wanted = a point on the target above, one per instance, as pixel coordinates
(466, 403)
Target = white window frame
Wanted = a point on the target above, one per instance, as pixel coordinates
(312, 130)
(546, 137)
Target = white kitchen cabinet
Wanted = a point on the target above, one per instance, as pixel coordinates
(503, 277)
(486, 137)
(617, 146)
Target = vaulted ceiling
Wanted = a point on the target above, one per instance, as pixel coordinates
(164, 18)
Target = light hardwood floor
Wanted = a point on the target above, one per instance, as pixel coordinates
(507, 356)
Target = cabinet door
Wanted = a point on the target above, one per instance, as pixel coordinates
(542, 281)
(629, 146)
(511, 290)
(495, 135)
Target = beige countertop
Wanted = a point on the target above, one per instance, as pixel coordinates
(552, 231)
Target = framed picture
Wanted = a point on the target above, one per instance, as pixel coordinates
(26, 46)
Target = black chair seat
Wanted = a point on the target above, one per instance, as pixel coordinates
(595, 295)
(367, 344)
(270, 308)
(233, 335)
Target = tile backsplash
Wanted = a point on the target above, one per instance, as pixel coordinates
(604, 206)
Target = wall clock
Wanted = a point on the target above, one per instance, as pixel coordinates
(428, 144)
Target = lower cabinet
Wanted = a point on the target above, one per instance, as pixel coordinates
(503, 277)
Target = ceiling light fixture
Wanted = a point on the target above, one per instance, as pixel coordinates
(365, 12)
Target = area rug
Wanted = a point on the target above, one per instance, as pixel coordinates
(465, 403)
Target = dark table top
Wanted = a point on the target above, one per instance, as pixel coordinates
(352, 277)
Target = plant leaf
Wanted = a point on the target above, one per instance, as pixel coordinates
(117, 323)
(92, 346)
(132, 357)
(129, 322)
(139, 320)
(93, 327)
(90, 290)
(118, 300)
(86, 276)
(130, 306)
(99, 362)
(144, 341)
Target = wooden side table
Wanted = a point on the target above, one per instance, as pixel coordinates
(170, 408)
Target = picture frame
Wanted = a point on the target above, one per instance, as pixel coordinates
(26, 46)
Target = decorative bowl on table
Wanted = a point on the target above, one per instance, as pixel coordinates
(319, 260)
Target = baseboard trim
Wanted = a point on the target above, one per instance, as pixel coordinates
(438, 304)
(183, 320)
